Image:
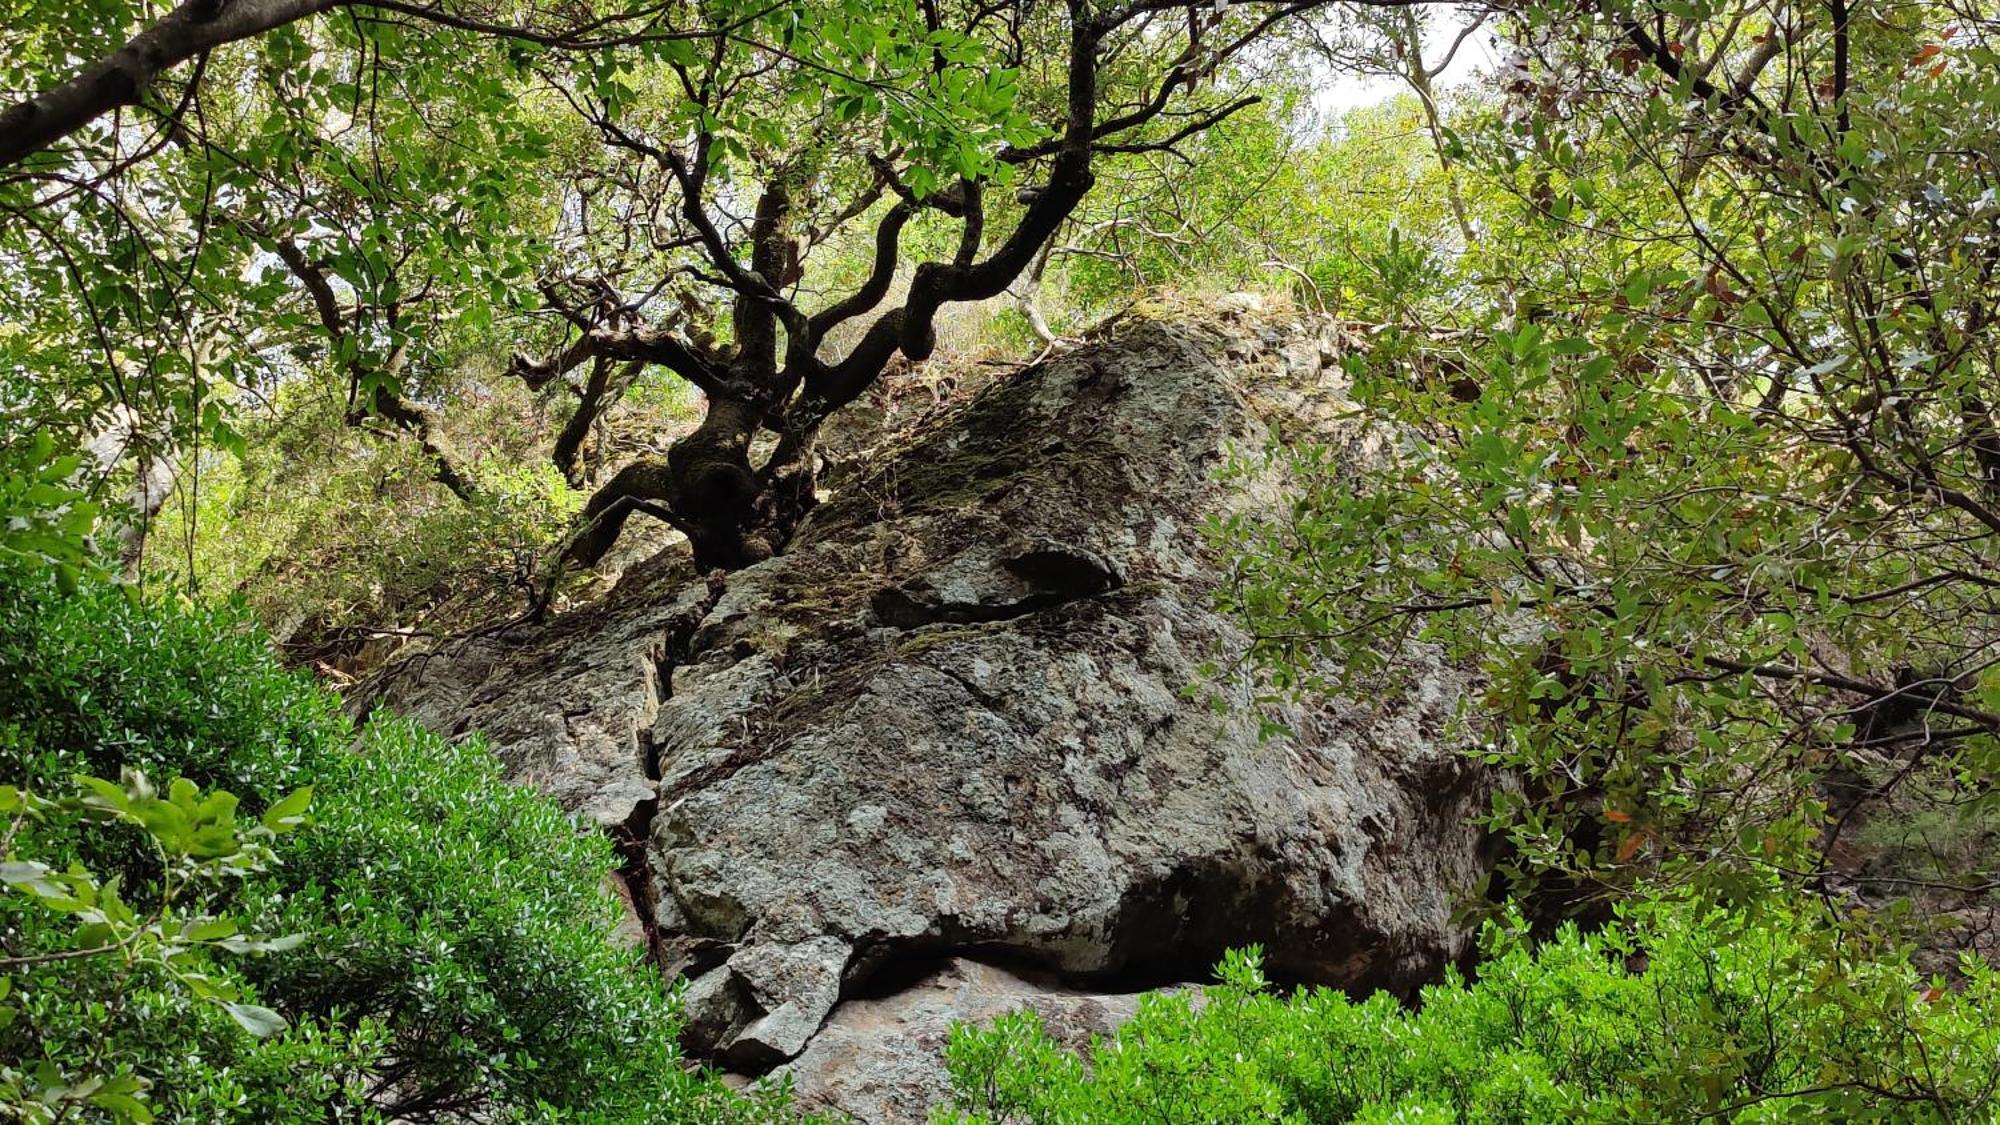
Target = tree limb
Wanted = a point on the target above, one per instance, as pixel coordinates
(118, 79)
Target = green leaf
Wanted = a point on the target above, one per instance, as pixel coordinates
(103, 794)
(289, 812)
(210, 930)
(16, 871)
(123, 1106)
(259, 1021)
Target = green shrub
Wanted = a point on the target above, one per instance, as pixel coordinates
(470, 916)
(44, 518)
(454, 959)
(157, 938)
(102, 680)
(1679, 1014)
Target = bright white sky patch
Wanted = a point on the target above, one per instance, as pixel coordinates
(1478, 55)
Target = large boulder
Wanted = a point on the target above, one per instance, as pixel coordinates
(984, 706)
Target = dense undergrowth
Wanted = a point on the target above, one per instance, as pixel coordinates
(1677, 1013)
(442, 940)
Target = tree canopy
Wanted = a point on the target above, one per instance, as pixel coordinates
(1711, 489)
(236, 194)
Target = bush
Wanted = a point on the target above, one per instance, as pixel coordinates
(1678, 1014)
(470, 916)
(102, 679)
(96, 953)
(455, 961)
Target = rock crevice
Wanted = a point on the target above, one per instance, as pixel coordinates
(1040, 578)
(631, 837)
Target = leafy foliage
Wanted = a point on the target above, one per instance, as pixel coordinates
(103, 680)
(369, 200)
(1676, 1014)
(441, 944)
(1680, 350)
(341, 545)
(43, 518)
(196, 842)
(470, 916)
(1706, 486)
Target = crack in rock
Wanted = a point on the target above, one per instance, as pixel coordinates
(1042, 578)
(633, 876)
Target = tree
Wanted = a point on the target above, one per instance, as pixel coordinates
(120, 77)
(1391, 43)
(1712, 497)
(645, 188)
(958, 107)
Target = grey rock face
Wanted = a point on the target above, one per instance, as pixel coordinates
(875, 1058)
(967, 712)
